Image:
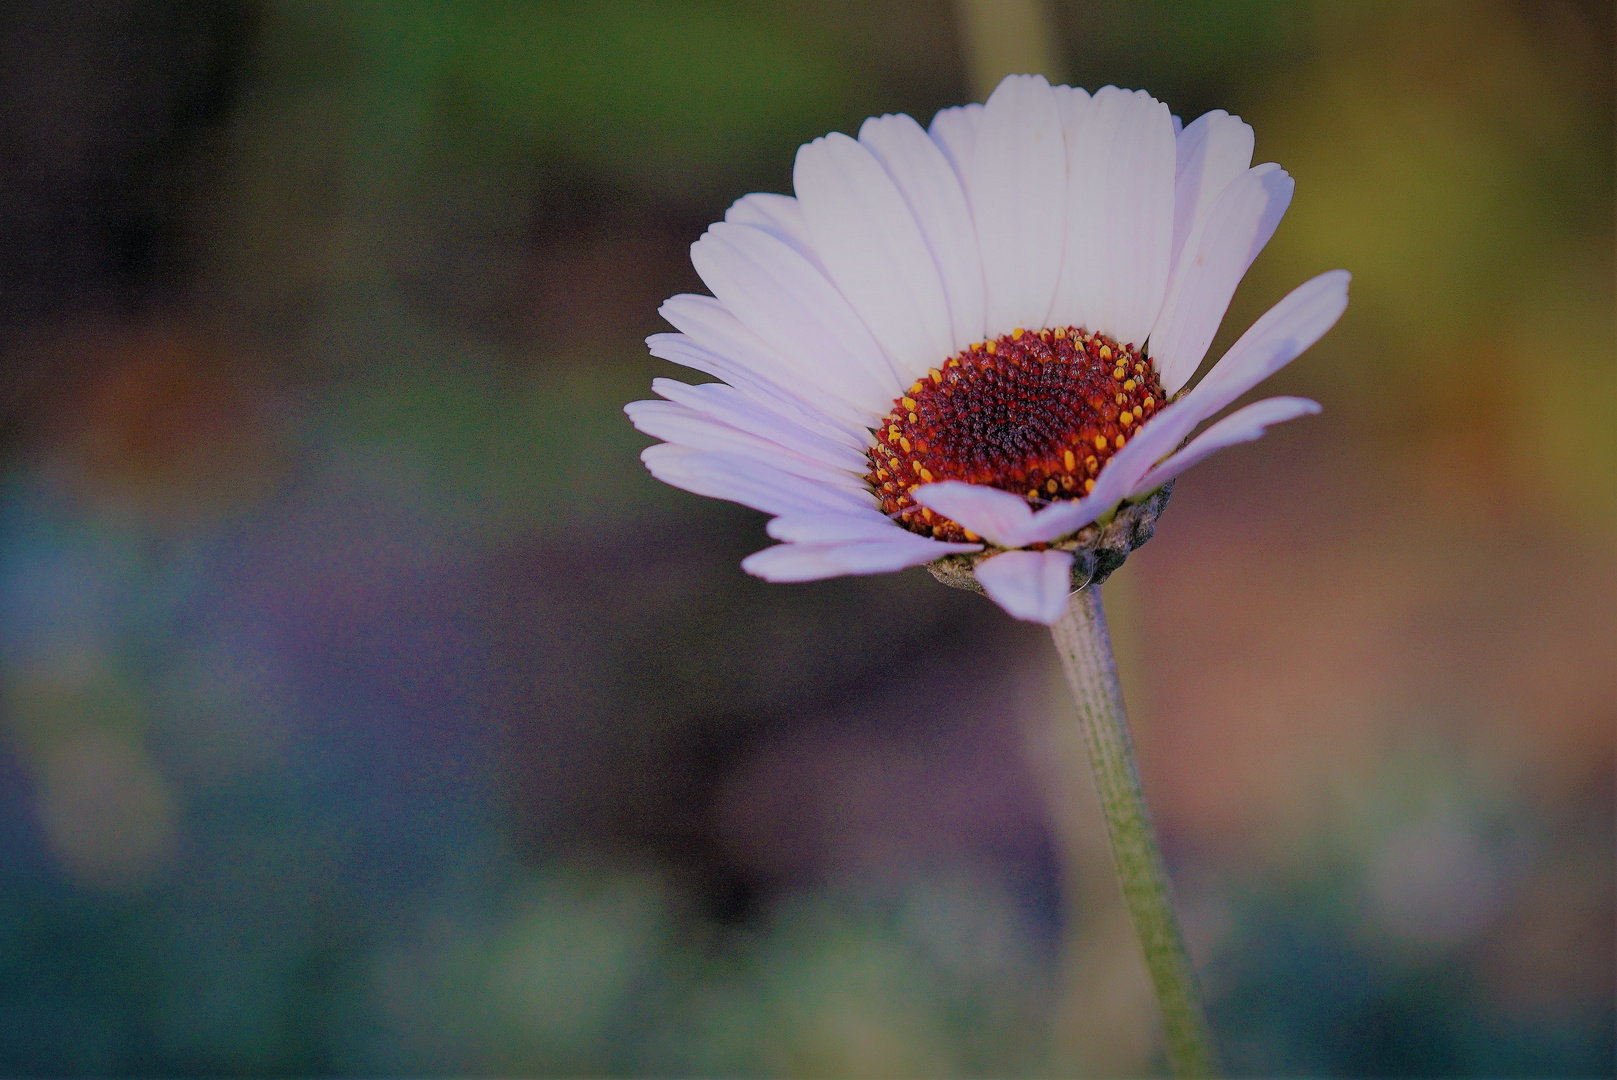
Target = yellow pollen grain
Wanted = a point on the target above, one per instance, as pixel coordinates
(892, 432)
(914, 419)
(1033, 493)
(1050, 485)
(1139, 369)
(883, 474)
(1125, 418)
(926, 512)
(916, 465)
(1118, 373)
(989, 348)
(1105, 352)
(1100, 442)
(1061, 332)
(1089, 485)
(888, 486)
(973, 537)
(937, 376)
(908, 403)
(1121, 398)
(911, 488)
(905, 443)
(1071, 460)
(925, 475)
(893, 463)
(1150, 402)
(1016, 335)
(1130, 384)
(954, 363)
(1118, 442)
(1091, 463)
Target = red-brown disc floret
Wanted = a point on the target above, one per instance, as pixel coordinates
(1037, 413)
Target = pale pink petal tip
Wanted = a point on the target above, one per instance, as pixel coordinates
(1031, 585)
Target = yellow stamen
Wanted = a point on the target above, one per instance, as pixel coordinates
(1070, 460)
(1100, 442)
(1089, 485)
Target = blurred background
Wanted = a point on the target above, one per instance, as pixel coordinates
(366, 708)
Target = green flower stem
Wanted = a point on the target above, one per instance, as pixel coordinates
(1085, 647)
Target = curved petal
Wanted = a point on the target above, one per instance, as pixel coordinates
(1243, 425)
(730, 406)
(1212, 151)
(1031, 585)
(955, 132)
(1283, 333)
(761, 380)
(1217, 255)
(1273, 341)
(844, 526)
(781, 297)
(934, 195)
(726, 476)
(813, 562)
(1000, 516)
(1119, 233)
(682, 426)
(874, 252)
(778, 215)
(1018, 201)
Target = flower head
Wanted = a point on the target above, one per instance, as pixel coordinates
(969, 346)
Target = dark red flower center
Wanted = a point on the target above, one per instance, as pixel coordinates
(1034, 413)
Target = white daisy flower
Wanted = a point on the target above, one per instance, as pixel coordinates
(974, 340)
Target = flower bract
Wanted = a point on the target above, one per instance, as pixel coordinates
(977, 338)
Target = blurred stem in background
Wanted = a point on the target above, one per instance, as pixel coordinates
(1086, 659)
(1007, 37)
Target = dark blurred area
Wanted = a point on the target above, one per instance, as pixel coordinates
(368, 709)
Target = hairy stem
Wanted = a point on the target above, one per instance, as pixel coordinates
(1085, 647)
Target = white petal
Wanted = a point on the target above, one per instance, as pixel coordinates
(873, 251)
(781, 297)
(683, 426)
(1031, 585)
(1217, 254)
(812, 562)
(955, 132)
(1275, 340)
(1212, 151)
(778, 215)
(732, 407)
(1118, 249)
(1243, 425)
(936, 199)
(761, 380)
(827, 527)
(1000, 516)
(1019, 200)
(725, 476)
(1068, 308)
